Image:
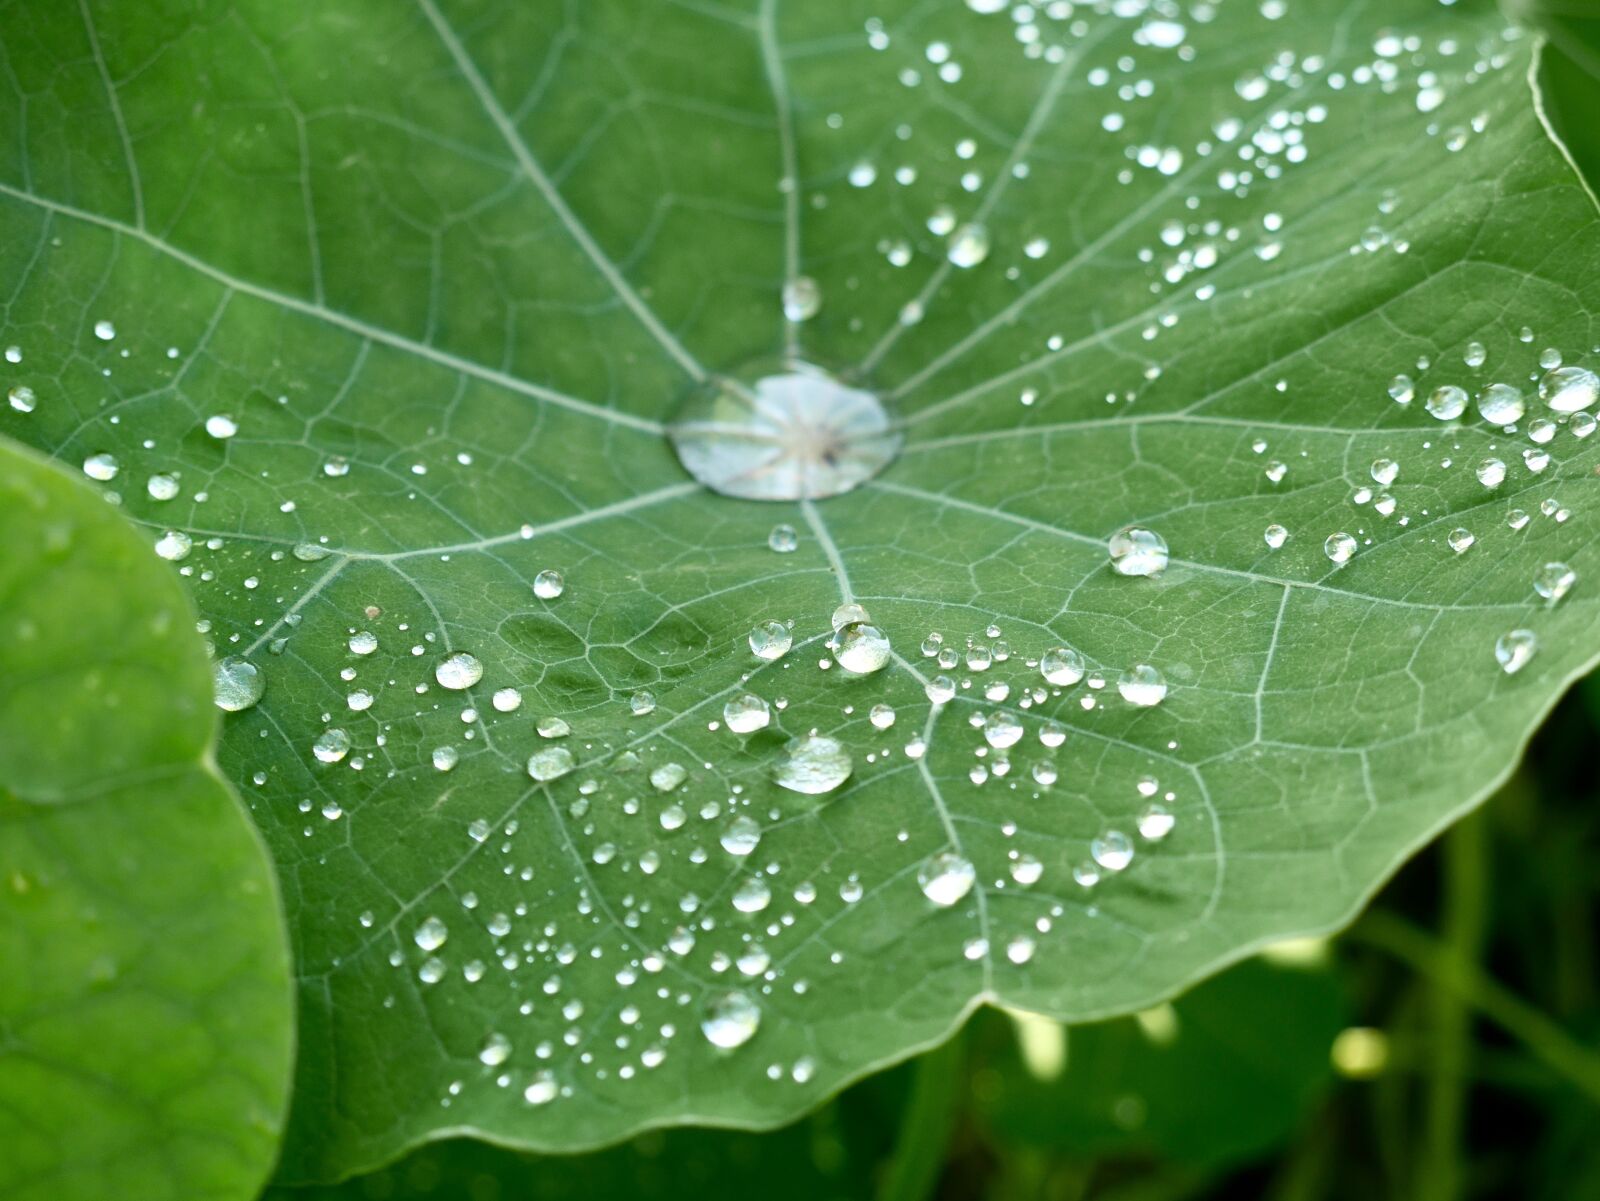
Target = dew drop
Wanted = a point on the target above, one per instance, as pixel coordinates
(861, 648)
(812, 764)
(1554, 581)
(458, 671)
(1136, 551)
(1112, 850)
(22, 399)
(1501, 404)
(1275, 536)
(1513, 649)
(237, 684)
(802, 298)
(1460, 539)
(1340, 547)
(331, 745)
(1142, 685)
(550, 763)
(946, 877)
(431, 934)
(787, 431)
(174, 546)
(221, 427)
(742, 836)
(548, 585)
(746, 713)
(1061, 666)
(1447, 403)
(541, 1090)
(102, 467)
(783, 539)
(1570, 389)
(969, 245)
(770, 640)
(1491, 472)
(731, 1019)
(496, 1050)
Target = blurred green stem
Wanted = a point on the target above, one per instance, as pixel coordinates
(937, 1088)
(1465, 907)
(1564, 1055)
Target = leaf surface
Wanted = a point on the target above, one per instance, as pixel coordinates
(449, 269)
(146, 1007)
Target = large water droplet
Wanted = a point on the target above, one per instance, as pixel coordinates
(1447, 403)
(1554, 581)
(1142, 685)
(238, 684)
(1501, 404)
(1137, 551)
(1061, 665)
(1513, 649)
(1340, 547)
(770, 640)
(1113, 850)
(731, 1020)
(746, 713)
(550, 763)
(946, 877)
(812, 764)
(1570, 389)
(458, 671)
(861, 648)
(783, 432)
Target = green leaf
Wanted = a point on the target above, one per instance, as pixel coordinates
(451, 267)
(834, 1154)
(146, 1007)
(1226, 1072)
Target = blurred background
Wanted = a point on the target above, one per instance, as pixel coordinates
(1446, 1046)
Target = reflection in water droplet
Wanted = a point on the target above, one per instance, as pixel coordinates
(550, 763)
(746, 713)
(783, 432)
(1570, 389)
(1501, 404)
(1554, 581)
(238, 684)
(548, 585)
(1339, 547)
(770, 640)
(1447, 403)
(1513, 649)
(1142, 685)
(812, 764)
(458, 671)
(802, 298)
(861, 648)
(946, 877)
(1113, 850)
(1061, 665)
(1137, 551)
(731, 1020)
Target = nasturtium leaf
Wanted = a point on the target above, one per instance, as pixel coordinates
(389, 320)
(147, 1004)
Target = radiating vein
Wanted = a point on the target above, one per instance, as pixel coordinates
(355, 325)
(789, 181)
(558, 204)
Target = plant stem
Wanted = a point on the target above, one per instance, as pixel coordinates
(1564, 1055)
(927, 1123)
(1466, 889)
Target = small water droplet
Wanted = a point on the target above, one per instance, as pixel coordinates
(431, 934)
(1112, 850)
(1501, 404)
(969, 245)
(548, 585)
(783, 538)
(550, 763)
(1275, 536)
(861, 648)
(1554, 581)
(802, 298)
